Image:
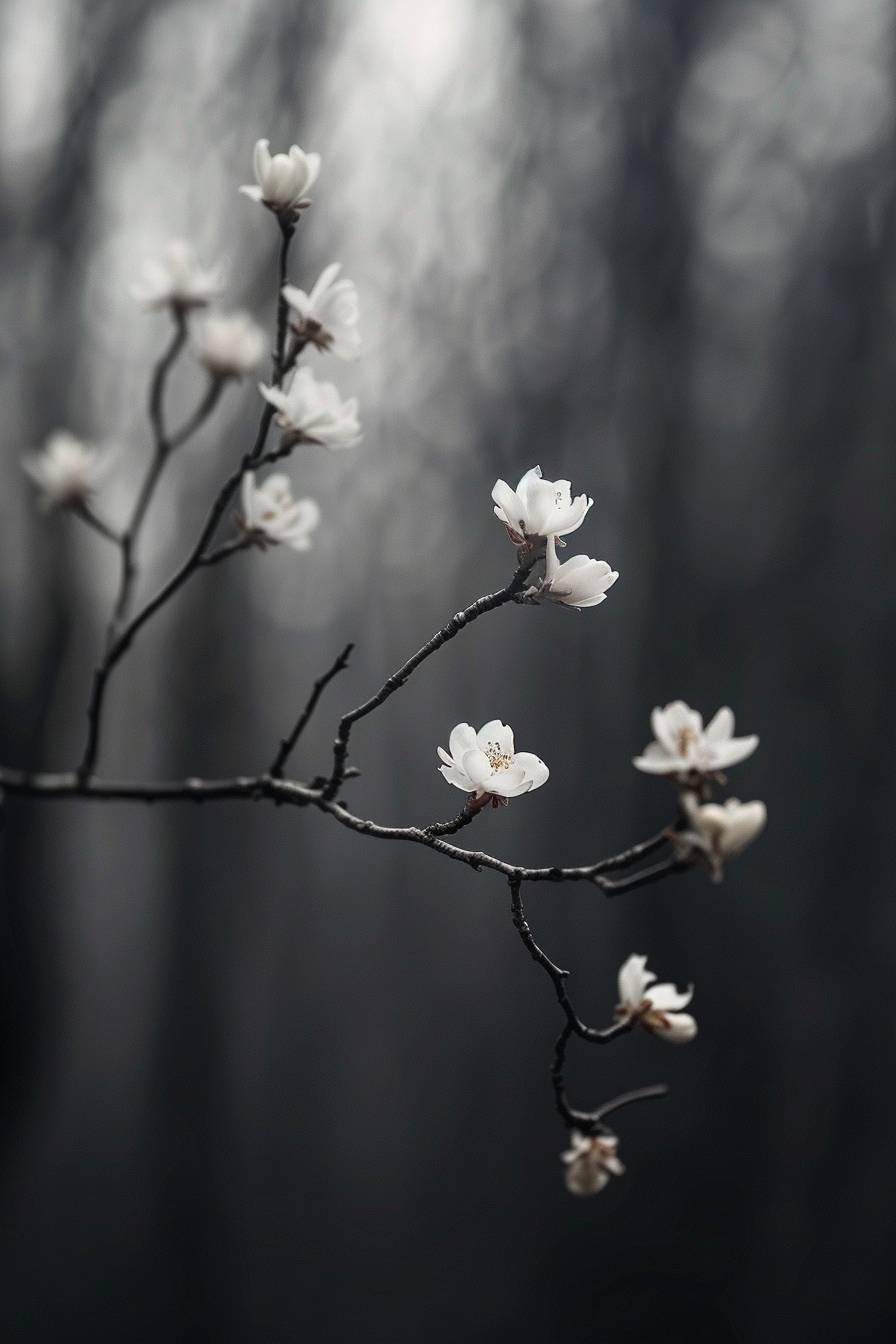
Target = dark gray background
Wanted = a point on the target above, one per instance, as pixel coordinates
(265, 1080)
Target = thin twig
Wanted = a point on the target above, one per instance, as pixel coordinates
(76, 785)
(200, 415)
(393, 683)
(287, 744)
(590, 1122)
(226, 549)
(598, 1036)
(82, 510)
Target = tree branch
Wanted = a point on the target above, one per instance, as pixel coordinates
(287, 744)
(393, 683)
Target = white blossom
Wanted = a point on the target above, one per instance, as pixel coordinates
(329, 313)
(656, 1007)
(683, 745)
(590, 1162)
(719, 831)
(282, 181)
(315, 411)
(66, 470)
(229, 345)
(539, 508)
(177, 278)
(270, 514)
(577, 582)
(485, 763)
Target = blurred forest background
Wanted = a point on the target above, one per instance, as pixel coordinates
(263, 1080)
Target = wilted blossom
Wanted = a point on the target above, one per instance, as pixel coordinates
(538, 508)
(577, 582)
(282, 181)
(485, 763)
(719, 831)
(329, 313)
(177, 278)
(315, 411)
(590, 1162)
(656, 1007)
(683, 745)
(66, 470)
(229, 345)
(271, 515)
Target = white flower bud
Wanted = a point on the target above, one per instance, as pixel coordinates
(315, 410)
(271, 515)
(178, 279)
(282, 181)
(66, 470)
(329, 313)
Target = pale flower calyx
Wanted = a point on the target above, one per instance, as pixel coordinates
(328, 314)
(538, 508)
(683, 746)
(656, 1007)
(282, 181)
(486, 764)
(272, 516)
(590, 1161)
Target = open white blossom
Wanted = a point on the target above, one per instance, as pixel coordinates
(590, 1162)
(539, 508)
(485, 763)
(720, 830)
(656, 1007)
(270, 514)
(315, 411)
(577, 582)
(329, 313)
(229, 345)
(683, 745)
(282, 181)
(66, 470)
(177, 278)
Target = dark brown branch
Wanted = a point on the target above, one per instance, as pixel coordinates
(646, 876)
(591, 1122)
(393, 683)
(287, 744)
(77, 785)
(280, 367)
(558, 976)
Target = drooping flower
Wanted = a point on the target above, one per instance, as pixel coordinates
(229, 345)
(577, 582)
(719, 831)
(538, 508)
(66, 470)
(282, 181)
(177, 278)
(656, 1007)
(590, 1162)
(315, 411)
(683, 745)
(485, 763)
(271, 515)
(329, 314)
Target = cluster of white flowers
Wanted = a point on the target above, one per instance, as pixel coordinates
(539, 510)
